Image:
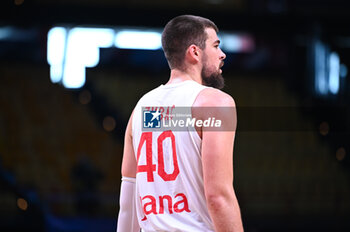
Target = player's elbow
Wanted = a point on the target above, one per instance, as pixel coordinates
(216, 198)
(215, 202)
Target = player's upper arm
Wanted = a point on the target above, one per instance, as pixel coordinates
(129, 160)
(217, 145)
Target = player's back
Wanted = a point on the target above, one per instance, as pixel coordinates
(169, 181)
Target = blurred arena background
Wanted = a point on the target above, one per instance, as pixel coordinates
(61, 138)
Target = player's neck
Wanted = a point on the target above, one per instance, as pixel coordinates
(177, 76)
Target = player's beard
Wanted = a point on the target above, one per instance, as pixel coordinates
(210, 78)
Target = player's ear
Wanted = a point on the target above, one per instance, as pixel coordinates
(193, 53)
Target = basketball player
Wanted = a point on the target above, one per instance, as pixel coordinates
(182, 180)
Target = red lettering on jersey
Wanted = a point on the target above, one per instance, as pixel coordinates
(161, 171)
(152, 203)
(161, 111)
(180, 206)
(169, 113)
(161, 204)
(184, 201)
(144, 218)
(146, 137)
(149, 167)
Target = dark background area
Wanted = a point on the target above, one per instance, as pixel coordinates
(61, 149)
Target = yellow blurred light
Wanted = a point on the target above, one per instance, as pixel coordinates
(340, 153)
(18, 2)
(85, 97)
(324, 128)
(109, 123)
(22, 204)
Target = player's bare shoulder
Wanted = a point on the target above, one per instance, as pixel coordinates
(211, 97)
(214, 103)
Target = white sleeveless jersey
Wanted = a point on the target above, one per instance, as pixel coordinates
(169, 181)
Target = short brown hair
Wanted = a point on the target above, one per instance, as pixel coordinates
(181, 32)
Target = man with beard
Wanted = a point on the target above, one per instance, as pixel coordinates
(177, 180)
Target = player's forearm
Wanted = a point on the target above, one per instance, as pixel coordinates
(225, 213)
(127, 219)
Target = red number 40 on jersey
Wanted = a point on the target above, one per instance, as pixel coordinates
(149, 167)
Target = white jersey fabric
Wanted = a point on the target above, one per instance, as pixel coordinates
(169, 181)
